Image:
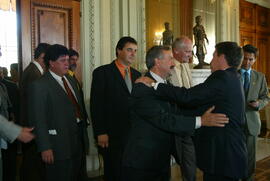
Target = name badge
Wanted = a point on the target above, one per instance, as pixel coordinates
(52, 132)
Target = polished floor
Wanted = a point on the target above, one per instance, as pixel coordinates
(263, 151)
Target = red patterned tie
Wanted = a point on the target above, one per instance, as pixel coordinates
(72, 99)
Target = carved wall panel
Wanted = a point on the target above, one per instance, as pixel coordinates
(51, 21)
(262, 63)
(247, 16)
(247, 38)
(263, 19)
(255, 30)
(51, 24)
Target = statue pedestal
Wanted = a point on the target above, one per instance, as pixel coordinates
(199, 75)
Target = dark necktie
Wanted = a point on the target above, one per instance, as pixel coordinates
(127, 80)
(246, 81)
(72, 99)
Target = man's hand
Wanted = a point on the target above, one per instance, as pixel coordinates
(47, 156)
(214, 119)
(26, 135)
(146, 80)
(254, 104)
(103, 140)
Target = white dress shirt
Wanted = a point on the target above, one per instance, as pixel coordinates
(38, 66)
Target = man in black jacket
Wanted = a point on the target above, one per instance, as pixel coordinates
(154, 124)
(221, 152)
(110, 92)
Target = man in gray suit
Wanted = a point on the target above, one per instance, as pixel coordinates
(10, 131)
(56, 113)
(256, 93)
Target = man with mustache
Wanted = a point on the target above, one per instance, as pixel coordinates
(221, 153)
(154, 123)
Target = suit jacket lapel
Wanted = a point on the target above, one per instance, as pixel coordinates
(147, 74)
(55, 85)
(119, 76)
(35, 69)
(133, 77)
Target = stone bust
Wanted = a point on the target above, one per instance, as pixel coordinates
(167, 35)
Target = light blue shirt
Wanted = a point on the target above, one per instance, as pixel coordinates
(243, 74)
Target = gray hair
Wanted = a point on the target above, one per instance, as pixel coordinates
(180, 42)
(153, 53)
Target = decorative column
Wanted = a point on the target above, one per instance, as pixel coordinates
(103, 22)
(227, 20)
(90, 57)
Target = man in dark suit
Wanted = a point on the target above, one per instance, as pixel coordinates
(155, 123)
(111, 87)
(221, 152)
(73, 59)
(31, 73)
(256, 92)
(32, 168)
(56, 114)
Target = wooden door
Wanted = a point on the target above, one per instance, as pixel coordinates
(262, 62)
(48, 21)
(247, 38)
(255, 30)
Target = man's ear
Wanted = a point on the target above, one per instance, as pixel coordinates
(157, 61)
(223, 60)
(118, 50)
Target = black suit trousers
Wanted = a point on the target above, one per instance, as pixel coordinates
(112, 163)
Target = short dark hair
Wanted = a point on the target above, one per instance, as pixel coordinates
(153, 53)
(41, 48)
(231, 51)
(72, 52)
(251, 49)
(123, 41)
(54, 52)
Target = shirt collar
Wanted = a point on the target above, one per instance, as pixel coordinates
(121, 66)
(157, 77)
(55, 76)
(244, 70)
(38, 66)
(176, 62)
(71, 73)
